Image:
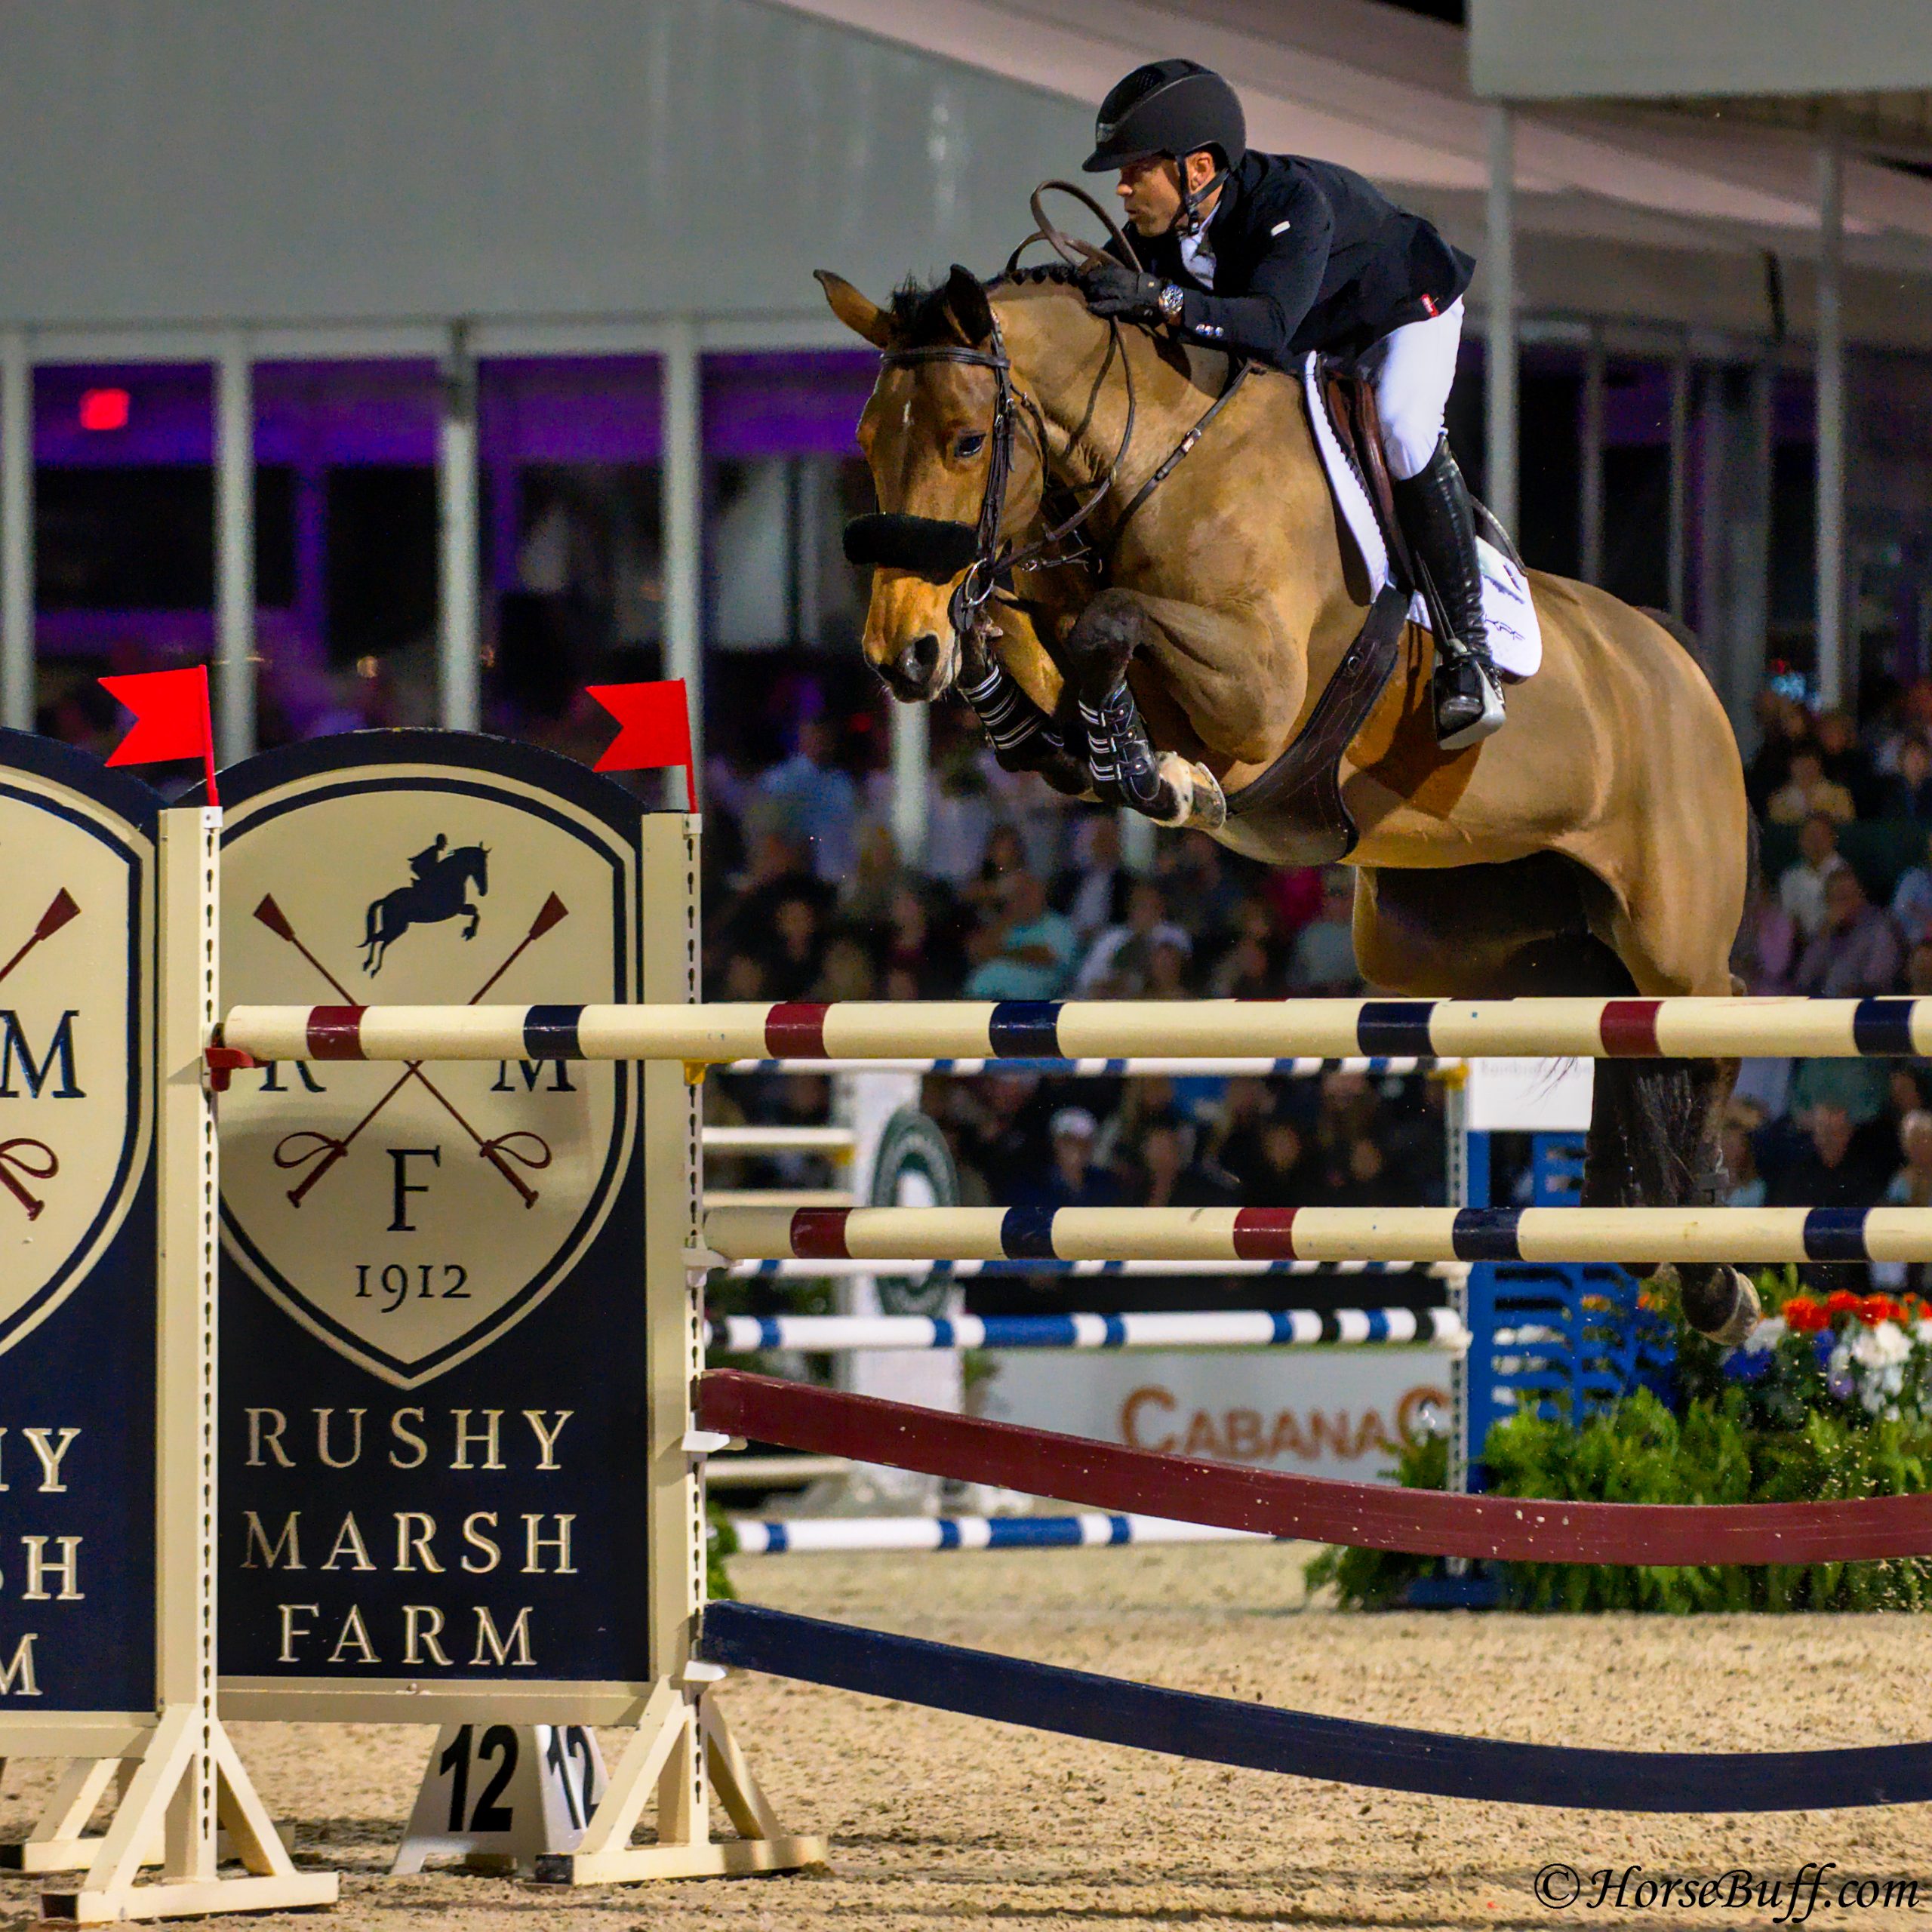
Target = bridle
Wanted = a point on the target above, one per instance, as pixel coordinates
(937, 549)
(994, 559)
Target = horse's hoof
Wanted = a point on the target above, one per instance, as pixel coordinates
(1720, 1303)
(1210, 802)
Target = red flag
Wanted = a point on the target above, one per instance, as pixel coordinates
(657, 731)
(171, 719)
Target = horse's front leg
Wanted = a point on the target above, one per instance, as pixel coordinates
(1121, 757)
(1024, 736)
(475, 919)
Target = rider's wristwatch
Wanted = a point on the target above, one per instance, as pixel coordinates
(1171, 297)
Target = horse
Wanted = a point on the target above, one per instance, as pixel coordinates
(441, 890)
(1600, 844)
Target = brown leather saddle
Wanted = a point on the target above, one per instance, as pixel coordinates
(1302, 788)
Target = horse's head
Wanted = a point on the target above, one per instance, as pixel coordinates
(929, 434)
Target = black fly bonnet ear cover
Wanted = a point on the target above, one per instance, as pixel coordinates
(927, 547)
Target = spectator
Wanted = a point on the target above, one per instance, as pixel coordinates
(1765, 956)
(1838, 1163)
(1279, 1174)
(819, 800)
(1167, 966)
(960, 821)
(845, 971)
(1294, 896)
(1360, 1182)
(1911, 900)
(794, 949)
(1029, 948)
(1005, 854)
(1073, 1178)
(1918, 970)
(916, 963)
(1744, 1186)
(1783, 727)
(1844, 762)
(1801, 889)
(1323, 959)
(1807, 792)
(1855, 952)
(876, 877)
(1168, 1175)
(1908, 794)
(1092, 892)
(1118, 963)
(1910, 1187)
(1250, 968)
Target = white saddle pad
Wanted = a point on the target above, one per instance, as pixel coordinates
(1515, 637)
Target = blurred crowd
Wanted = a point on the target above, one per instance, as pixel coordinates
(1024, 896)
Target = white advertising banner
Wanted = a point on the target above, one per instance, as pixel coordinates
(1326, 1412)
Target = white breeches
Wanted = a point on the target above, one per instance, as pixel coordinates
(1412, 368)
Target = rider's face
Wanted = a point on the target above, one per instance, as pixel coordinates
(1149, 192)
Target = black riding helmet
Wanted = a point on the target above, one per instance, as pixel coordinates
(1173, 107)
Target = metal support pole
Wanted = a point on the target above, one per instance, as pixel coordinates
(460, 639)
(235, 548)
(910, 757)
(16, 592)
(1834, 682)
(1501, 346)
(1590, 517)
(1677, 533)
(684, 530)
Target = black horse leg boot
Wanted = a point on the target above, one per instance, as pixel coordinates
(1437, 519)
(1120, 755)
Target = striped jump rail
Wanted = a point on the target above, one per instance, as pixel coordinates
(789, 1268)
(1307, 1067)
(1242, 1328)
(1092, 1475)
(824, 1535)
(1623, 1236)
(718, 1034)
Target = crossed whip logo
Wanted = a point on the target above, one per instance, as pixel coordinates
(23, 1158)
(440, 891)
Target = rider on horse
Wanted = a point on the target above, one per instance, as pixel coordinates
(1269, 256)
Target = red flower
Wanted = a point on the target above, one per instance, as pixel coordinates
(1841, 1301)
(1804, 1316)
(1876, 1309)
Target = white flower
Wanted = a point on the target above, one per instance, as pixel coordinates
(1881, 1347)
(1770, 1333)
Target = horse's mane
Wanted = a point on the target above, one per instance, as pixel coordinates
(920, 317)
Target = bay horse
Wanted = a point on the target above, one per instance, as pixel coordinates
(1598, 845)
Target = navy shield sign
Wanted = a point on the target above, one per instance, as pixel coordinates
(409, 1215)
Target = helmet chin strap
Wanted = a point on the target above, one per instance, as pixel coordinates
(1192, 217)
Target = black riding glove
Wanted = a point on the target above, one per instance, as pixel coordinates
(1113, 289)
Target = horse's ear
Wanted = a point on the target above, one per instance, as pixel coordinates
(966, 296)
(859, 312)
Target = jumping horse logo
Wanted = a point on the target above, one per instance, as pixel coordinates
(439, 891)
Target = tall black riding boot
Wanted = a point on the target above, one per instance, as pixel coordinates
(1437, 519)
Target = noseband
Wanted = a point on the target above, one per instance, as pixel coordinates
(937, 549)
